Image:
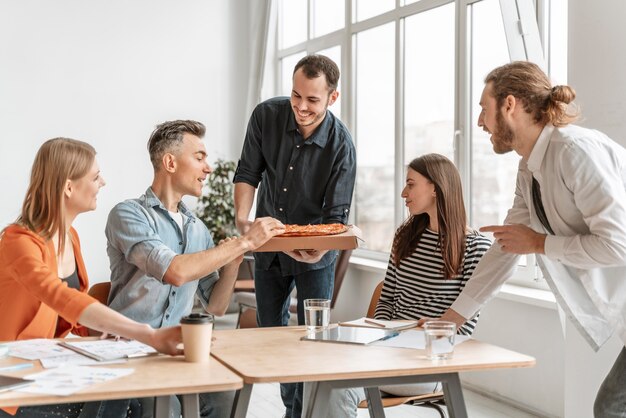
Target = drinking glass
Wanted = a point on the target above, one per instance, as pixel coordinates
(316, 314)
(439, 337)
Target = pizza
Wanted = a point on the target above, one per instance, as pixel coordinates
(313, 230)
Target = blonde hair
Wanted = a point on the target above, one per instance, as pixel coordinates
(528, 83)
(58, 160)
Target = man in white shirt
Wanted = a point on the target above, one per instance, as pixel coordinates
(569, 209)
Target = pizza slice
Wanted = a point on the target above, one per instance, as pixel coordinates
(292, 230)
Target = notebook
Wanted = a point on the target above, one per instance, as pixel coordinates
(110, 349)
(380, 323)
(11, 382)
(350, 335)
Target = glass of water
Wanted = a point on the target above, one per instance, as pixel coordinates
(439, 337)
(316, 314)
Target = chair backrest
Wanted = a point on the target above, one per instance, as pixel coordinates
(374, 301)
(100, 292)
(341, 267)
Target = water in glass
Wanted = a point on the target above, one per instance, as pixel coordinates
(316, 314)
(439, 340)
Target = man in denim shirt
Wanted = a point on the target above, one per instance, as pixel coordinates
(161, 254)
(304, 159)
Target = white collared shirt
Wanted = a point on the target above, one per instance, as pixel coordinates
(582, 174)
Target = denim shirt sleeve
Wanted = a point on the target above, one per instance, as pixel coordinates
(131, 230)
(340, 186)
(205, 287)
(252, 163)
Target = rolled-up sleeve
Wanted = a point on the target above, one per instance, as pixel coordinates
(131, 231)
(252, 163)
(205, 288)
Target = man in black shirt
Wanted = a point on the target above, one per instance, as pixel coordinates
(305, 161)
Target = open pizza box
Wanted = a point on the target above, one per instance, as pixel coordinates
(348, 240)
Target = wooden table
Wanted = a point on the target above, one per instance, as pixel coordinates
(158, 376)
(263, 355)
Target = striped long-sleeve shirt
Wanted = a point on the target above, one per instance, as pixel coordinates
(416, 288)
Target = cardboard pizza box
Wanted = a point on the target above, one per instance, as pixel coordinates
(348, 240)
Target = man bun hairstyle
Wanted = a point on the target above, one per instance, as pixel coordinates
(528, 83)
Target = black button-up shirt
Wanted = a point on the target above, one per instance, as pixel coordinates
(301, 181)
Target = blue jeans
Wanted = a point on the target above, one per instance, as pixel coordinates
(272, 298)
(121, 408)
(611, 398)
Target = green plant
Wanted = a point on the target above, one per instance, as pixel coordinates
(216, 206)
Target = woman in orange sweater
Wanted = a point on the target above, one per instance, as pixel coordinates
(43, 280)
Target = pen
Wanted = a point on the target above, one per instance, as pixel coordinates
(378, 324)
(386, 337)
(15, 367)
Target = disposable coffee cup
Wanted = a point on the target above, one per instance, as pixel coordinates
(197, 329)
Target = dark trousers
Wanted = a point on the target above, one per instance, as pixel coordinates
(611, 398)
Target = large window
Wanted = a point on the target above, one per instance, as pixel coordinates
(374, 197)
(412, 75)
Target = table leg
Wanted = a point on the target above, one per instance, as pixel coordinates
(191, 406)
(314, 403)
(162, 406)
(453, 394)
(241, 402)
(374, 402)
(310, 389)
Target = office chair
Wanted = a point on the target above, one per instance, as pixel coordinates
(433, 400)
(100, 292)
(247, 300)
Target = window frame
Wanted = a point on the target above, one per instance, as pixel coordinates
(529, 16)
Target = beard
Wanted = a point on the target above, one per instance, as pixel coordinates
(316, 119)
(502, 138)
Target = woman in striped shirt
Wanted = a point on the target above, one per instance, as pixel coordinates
(433, 255)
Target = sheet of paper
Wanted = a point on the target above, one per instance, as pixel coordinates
(36, 349)
(413, 339)
(111, 349)
(74, 359)
(67, 380)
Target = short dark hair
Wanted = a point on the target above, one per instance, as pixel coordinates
(168, 136)
(314, 66)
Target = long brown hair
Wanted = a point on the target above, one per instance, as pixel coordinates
(58, 160)
(451, 215)
(527, 82)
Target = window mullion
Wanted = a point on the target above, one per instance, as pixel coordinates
(462, 106)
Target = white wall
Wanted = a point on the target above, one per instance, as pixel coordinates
(596, 68)
(107, 72)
